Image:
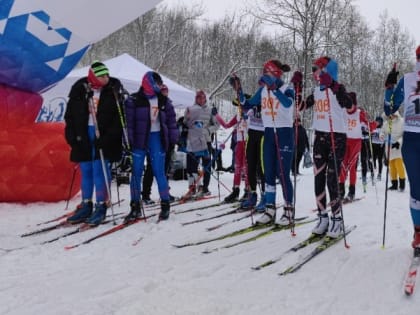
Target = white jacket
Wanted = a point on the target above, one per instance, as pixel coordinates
(397, 130)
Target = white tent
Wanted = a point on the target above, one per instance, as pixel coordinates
(124, 67)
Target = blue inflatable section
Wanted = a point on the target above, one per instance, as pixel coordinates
(35, 52)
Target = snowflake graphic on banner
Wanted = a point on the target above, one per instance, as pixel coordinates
(36, 51)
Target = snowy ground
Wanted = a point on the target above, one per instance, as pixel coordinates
(111, 276)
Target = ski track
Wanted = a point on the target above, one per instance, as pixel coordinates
(111, 276)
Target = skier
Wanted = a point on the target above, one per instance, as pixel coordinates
(148, 173)
(276, 99)
(254, 160)
(395, 158)
(407, 93)
(97, 90)
(329, 100)
(354, 119)
(378, 146)
(239, 122)
(201, 125)
(152, 129)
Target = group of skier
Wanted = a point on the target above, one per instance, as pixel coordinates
(98, 114)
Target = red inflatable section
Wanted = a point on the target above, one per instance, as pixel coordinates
(34, 157)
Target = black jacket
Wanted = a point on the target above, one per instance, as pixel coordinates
(108, 117)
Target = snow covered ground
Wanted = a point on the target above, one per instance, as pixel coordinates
(113, 276)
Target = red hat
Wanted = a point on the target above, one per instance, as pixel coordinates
(275, 67)
(200, 93)
(418, 51)
(322, 62)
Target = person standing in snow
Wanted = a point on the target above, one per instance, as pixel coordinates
(97, 90)
(239, 122)
(276, 99)
(395, 158)
(407, 93)
(378, 146)
(354, 118)
(254, 160)
(329, 101)
(152, 129)
(201, 125)
(148, 173)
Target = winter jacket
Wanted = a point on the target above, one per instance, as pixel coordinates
(137, 108)
(396, 136)
(201, 125)
(107, 115)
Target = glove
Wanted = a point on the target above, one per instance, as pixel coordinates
(235, 82)
(271, 82)
(297, 78)
(257, 112)
(245, 116)
(325, 79)
(89, 94)
(214, 111)
(222, 146)
(391, 79)
(395, 145)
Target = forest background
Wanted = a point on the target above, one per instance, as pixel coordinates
(199, 55)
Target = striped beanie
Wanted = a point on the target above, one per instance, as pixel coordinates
(99, 69)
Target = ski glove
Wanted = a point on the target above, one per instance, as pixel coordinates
(297, 78)
(391, 79)
(395, 145)
(325, 80)
(214, 111)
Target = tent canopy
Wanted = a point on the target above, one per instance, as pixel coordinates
(124, 67)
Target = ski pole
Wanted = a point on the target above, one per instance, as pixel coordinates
(71, 185)
(394, 68)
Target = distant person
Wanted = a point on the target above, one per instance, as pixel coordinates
(96, 91)
(239, 123)
(200, 125)
(378, 146)
(355, 117)
(395, 158)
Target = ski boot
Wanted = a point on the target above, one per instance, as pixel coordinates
(83, 212)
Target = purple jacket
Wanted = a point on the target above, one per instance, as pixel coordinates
(137, 110)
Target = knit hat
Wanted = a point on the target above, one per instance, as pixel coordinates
(99, 69)
(322, 62)
(418, 51)
(151, 83)
(275, 67)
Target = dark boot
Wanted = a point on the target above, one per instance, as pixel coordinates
(98, 215)
(83, 212)
(165, 208)
(402, 184)
(135, 212)
(245, 196)
(341, 190)
(352, 192)
(233, 195)
(394, 185)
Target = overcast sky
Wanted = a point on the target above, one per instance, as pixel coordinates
(406, 11)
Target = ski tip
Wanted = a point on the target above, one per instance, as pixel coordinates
(69, 247)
